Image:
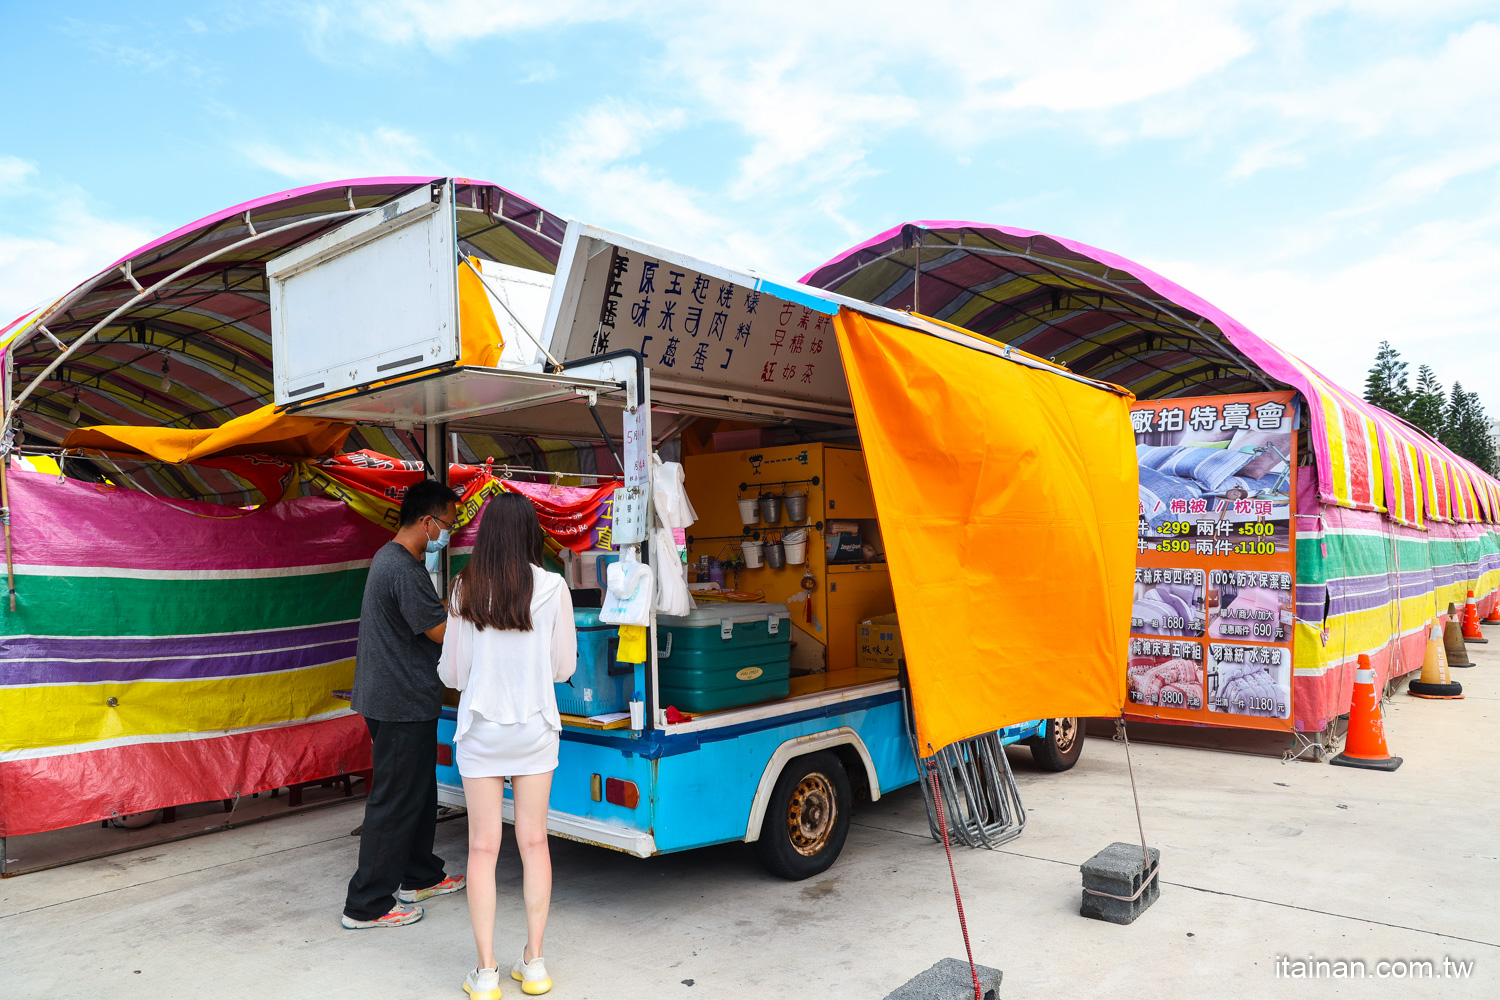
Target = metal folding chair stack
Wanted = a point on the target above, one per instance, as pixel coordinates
(981, 802)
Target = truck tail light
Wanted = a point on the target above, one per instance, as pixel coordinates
(445, 754)
(621, 793)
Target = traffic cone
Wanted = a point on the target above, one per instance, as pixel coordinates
(1435, 682)
(1494, 610)
(1365, 745)
(1453, 640)
(1471, 621)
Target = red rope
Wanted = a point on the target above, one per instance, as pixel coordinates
(937, 797)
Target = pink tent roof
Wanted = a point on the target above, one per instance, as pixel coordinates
(1109, 318)
(210, 329)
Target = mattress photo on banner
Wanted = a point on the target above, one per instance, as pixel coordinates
(1212, 622)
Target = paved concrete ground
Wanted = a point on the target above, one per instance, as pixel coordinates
(1260, 860)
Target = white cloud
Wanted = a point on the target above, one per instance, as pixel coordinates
(1429, 290)
(442, 24)
(65, 244)
(540, 71)
(14, 172)
(813, 85)
(591, 167)
(380, 152)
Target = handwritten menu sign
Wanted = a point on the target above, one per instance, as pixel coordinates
(697, 328)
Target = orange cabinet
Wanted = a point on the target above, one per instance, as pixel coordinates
(837, 488)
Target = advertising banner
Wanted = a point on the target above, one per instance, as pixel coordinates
(1211, 624)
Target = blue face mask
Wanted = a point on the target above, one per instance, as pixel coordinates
(434, 546)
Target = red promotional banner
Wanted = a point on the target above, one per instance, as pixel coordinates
(1211, 624)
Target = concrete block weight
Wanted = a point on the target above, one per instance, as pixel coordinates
(1119, 870)
(949, 979)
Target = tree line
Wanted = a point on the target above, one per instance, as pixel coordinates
(1454, 417)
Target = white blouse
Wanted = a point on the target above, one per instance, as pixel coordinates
(506, 675)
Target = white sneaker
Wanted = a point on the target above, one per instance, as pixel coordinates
(531, 975)
(398, 917)
(483, 984)
(453, 883)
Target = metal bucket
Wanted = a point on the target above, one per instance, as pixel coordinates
(770, 508)
(754, 553)
(775, 555)
(749, 510)
(796, 508)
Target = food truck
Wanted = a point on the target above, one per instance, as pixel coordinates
(766, 712)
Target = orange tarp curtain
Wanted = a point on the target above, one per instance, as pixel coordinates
(261, 432)
(1007, 500)
(480, 341)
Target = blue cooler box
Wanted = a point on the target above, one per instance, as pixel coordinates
(599, 684)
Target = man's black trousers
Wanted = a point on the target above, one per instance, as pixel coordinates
(395, 847)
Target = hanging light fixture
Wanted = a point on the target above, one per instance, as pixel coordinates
(166, 374)
(73, 412)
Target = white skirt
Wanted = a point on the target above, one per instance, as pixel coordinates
(500, 750)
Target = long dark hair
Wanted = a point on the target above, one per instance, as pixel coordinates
(494, 589)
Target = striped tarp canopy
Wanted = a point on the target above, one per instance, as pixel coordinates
(208, 331)
(1109, 318)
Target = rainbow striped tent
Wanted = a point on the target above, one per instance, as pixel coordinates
(164, 650)
(1392, 525)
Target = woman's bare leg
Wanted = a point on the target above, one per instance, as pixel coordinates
(483, 797)
(531, 792)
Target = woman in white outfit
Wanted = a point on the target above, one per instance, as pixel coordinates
(510, 637)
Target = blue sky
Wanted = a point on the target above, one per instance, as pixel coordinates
(1324, 171)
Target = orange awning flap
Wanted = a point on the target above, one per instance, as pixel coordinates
(480, 340)
(1007, 499)
(260, 432)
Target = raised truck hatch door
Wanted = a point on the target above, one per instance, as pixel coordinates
(460, 393)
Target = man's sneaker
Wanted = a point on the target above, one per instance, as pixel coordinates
(397, 917)
(483, 984)
(452, 883)
(531, 975)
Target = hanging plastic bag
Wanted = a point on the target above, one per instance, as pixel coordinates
(673, 508)
(632, 644)
(672, 595)
(629, 590)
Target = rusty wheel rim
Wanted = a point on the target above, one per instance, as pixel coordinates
(1065, 734)
(811, 813)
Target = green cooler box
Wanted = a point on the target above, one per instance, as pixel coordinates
(724, 655)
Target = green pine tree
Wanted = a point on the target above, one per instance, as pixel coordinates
(1425, 409)
(1386, 386)
(1453, 417)
(1466, 429)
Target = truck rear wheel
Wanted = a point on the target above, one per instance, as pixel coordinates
(1059, 746)
(807, 818)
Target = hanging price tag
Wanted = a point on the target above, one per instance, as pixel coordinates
(630, 515)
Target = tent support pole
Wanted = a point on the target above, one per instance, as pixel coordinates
(6, 406)
(10, 565)
(435, 446)
(916, 278)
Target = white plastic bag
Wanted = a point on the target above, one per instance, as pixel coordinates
(673, 508)
(672, 595)
(629, 591)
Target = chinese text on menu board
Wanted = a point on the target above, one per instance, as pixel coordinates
(692, 325)
(1211, 620)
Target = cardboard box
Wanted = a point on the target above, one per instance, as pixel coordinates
(877, 643)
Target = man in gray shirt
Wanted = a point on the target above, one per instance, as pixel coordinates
(396, 689)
